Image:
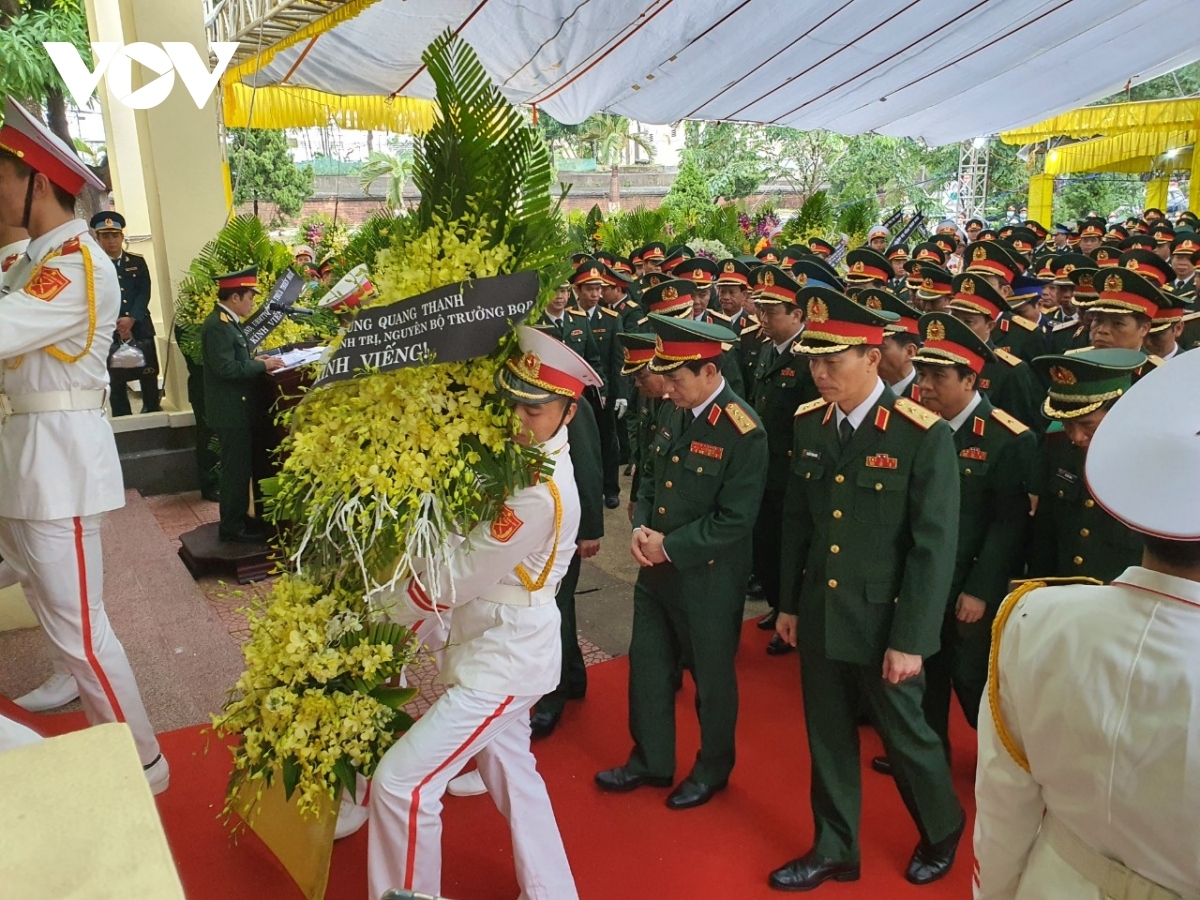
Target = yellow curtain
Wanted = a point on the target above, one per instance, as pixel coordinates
(1150, 115)
(1132, 152)
(1041, 198)
(295, 107)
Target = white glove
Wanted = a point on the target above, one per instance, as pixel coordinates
(619, 407)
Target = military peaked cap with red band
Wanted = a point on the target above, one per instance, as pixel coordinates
(1063, 264)
(926, 251)
(1093, 227)
(679, 341)
(1116, 233)
(833, 323)
(948, 342)
(589, 272)
(1149, 264)
(773, 285)
(675, 259)
(579, 258)
(878, 298)
(637, 350)
(700, 271)
(932, 281)
(1037, 228)
(816, 245)
(865, 264)
(241, 280)
(669, 297)
(1023, 240)
(768, 255)
(790, 254)
(546, 369)
(1171, 309)
(733, 271)
(1125, 291)
(34, 144)
(1187, 244)
(814, 271)
(897, 252)
(654, 251)
(1105, 256)
(991, 258)
(971, 294)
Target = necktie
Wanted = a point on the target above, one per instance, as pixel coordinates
(688, 418)
(845, 432)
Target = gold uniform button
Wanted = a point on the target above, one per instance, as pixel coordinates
(711, 561)
(662, 510)
(1061, 495)
(835, 549)
(833, 582)
(669, 484)
(968, 471)
(1078, 560)
(837, 513)
(1087, 503)
(676, 459)
(1083, 532)
(789, 454)
(878, 486)
(699, 470)
(840, 478)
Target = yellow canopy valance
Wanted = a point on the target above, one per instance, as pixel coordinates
(1149, 115)
(295, 107)
(1133, 152)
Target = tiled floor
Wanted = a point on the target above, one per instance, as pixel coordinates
(177, 514)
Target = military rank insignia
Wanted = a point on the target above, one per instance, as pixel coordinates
(976, 453)
(47, 284)
(742, 422)
(788, 373)
(506, 524)
(714, 415)
(709, 450)
(882, 461)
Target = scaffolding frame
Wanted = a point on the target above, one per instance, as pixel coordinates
(973, 178)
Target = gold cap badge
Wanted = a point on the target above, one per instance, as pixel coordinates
(935, 332)
(1062, 375)
(817, 311)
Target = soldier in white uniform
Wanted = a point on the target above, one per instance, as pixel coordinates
(503, 654)
(59, 470)
(1089, 762)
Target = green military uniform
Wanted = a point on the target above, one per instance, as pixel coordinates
(642, 420)
(750, 340)
(781, 383)
(1072, 535)
(995, 461)
(868, 549)
(1019, 336)
(573, 330)
(700, 486)
(230, 374)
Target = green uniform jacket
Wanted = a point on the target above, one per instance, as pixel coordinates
(229, 372)
(583, 436)
(1070, 335)
(604, 325)
(869, 534)
(1010, 385)
(643, 426)
(1072, 535)
(750, 344)
(995, 466)
(731, 365)
(781, 384)
(1020, 337)
(574, 330)
(701, 485)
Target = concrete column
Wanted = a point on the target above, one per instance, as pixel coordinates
(1041, 199)
(166, 162)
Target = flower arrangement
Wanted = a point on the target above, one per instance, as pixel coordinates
(327, 237)
(390, 466)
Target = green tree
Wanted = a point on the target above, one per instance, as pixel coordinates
(395, 168)
(1102, 193)
(263, 170)
(730, 156)
(610, 137)
(689, 190)
(26, 71)
(1183, 82)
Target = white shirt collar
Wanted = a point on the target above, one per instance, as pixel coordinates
(1161, 584)
(696, 410)
(900, 388)
(15, 247)
(787, 345)
(236, 317)
(859, 412)
(1174, 352)
(55, 237)
(557, 442)
(958, 421)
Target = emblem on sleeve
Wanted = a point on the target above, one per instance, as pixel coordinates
(47, 284)
(506, 524)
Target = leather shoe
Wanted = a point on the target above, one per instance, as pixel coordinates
(612, 501)
(767, 622)
(693, 793)
(932, 861)
(779, 647)
(810, 871)
(754, 590)
(882, 765)
(620, 780)
(542, 724)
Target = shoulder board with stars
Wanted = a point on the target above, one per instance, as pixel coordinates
(805, 408)
(749, 329)
(1025, 323)
(1152, 363)
(916, 413)
(1063, 326)
(643, 320)
(1005, 357)
(226, 318)
(1016, 426)
(608, 311)
(741, 421)
(718, 315)
(577, 312)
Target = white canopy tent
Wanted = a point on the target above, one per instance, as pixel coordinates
(940, 70)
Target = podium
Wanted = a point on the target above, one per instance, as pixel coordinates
(201, 549)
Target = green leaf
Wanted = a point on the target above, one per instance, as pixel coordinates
(401, 722)
(291, 776)
(394, 697)
(344, 772)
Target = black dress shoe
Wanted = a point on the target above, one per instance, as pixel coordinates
(542, 724)
(612, 501)
(767, 622)
(693, 793)
(620, 780)
(932, 861)
(810, 871)
(754, 590)
(882, 765)
(779, 647)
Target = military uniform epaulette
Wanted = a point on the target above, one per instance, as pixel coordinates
(1025, 323)
(226, 318)
(916, 413)
(1005, 357)
(719, 315)
(750, 329)
(71, 245)
(1055, 582)
(811, 406)
(1063, 326)
(608, 312)
(134, 255)
(577, 312)
(643, 320)
(740, 419)
(1016, 426)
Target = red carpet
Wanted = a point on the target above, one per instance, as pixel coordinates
(627, 846)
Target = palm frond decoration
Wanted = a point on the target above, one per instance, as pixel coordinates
(815, 219)
(378, 232)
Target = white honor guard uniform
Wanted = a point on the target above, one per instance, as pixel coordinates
(504, 653)
(1088, 784)
(59, 469)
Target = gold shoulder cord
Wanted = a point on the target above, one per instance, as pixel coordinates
(89, 277)
(531, 585)
(1006, 608)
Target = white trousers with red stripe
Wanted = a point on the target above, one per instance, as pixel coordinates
(405, 839)
(61, 564)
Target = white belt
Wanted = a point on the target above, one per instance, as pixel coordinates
(51, 401)
(1116, 880)
(515, 595)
